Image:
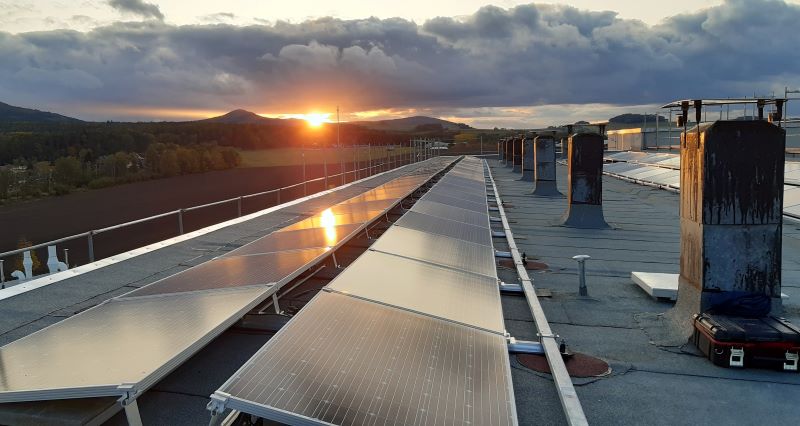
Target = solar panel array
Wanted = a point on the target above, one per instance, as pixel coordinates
(137, 338)
(664, 170)
(410, 333)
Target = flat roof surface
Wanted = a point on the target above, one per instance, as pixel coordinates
(651, 382)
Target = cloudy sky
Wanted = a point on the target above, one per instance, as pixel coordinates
(508, 64)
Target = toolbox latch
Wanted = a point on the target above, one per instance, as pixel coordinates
(791, 361)
(737, 357)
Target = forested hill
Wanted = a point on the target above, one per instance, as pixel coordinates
(10, 113)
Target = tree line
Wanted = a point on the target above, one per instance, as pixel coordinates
(67, 173)
(50, 158)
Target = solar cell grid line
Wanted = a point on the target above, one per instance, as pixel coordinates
(447, 293)
(453, 213)
(234, 271)
(391, 367)
(440, 226)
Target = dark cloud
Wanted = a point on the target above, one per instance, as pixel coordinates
(137, 7)
(525, 56)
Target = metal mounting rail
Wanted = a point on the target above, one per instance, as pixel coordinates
(573, 411)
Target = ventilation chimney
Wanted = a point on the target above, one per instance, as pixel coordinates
(528, 166)
(731, 218)
(517, 155)
(510, 152)
(544, 148)
(585, 157)
(501, 150)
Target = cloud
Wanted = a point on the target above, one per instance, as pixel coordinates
(137, 7)
(526, 56)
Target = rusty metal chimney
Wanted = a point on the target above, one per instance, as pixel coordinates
(517, 154)
(731, 217)
(528, 162)
(585, 196)
(544, 148)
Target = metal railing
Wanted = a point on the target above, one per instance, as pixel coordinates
(392, 162)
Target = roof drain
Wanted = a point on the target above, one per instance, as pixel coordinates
(573, 411)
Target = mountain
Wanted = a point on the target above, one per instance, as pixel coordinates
(417, 123)
(11, 114)
(240, 116)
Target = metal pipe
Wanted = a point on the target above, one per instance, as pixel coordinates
(180, 222)
(525, 347)
(66, 257)
(582, 258)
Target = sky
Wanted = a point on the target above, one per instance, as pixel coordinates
(502, 64)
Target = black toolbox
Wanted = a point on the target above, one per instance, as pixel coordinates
(767, 342)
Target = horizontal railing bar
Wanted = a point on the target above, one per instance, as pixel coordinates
(134, 222)
(215, 203)
(45, 244)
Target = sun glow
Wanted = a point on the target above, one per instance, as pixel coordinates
(316, 119)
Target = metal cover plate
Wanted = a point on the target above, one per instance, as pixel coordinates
(453, 213)
(123, 341)
(296, 240)
(446, 293)
(346, 361)
(438, 249)
(234, 271)
(436, 225)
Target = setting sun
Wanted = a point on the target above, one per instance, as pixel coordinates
(316, 119)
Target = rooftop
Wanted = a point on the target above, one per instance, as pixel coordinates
(652, 379)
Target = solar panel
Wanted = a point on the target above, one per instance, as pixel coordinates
(446, 227)
(473, 196)
(122, 341)
(467, 183)
(453, 213)
(455, 202)
(438, 249)
(327, 219)
(346, 361)
(234, 271)
(791, 196)
(299, 239)
(421, 287)
(472, 189)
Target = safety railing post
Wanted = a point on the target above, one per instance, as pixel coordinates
(325, 168)
(180, 222)
(66, 257)
(305, 188)
(90, 238)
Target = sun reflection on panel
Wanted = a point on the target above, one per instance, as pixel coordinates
(328, 221)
